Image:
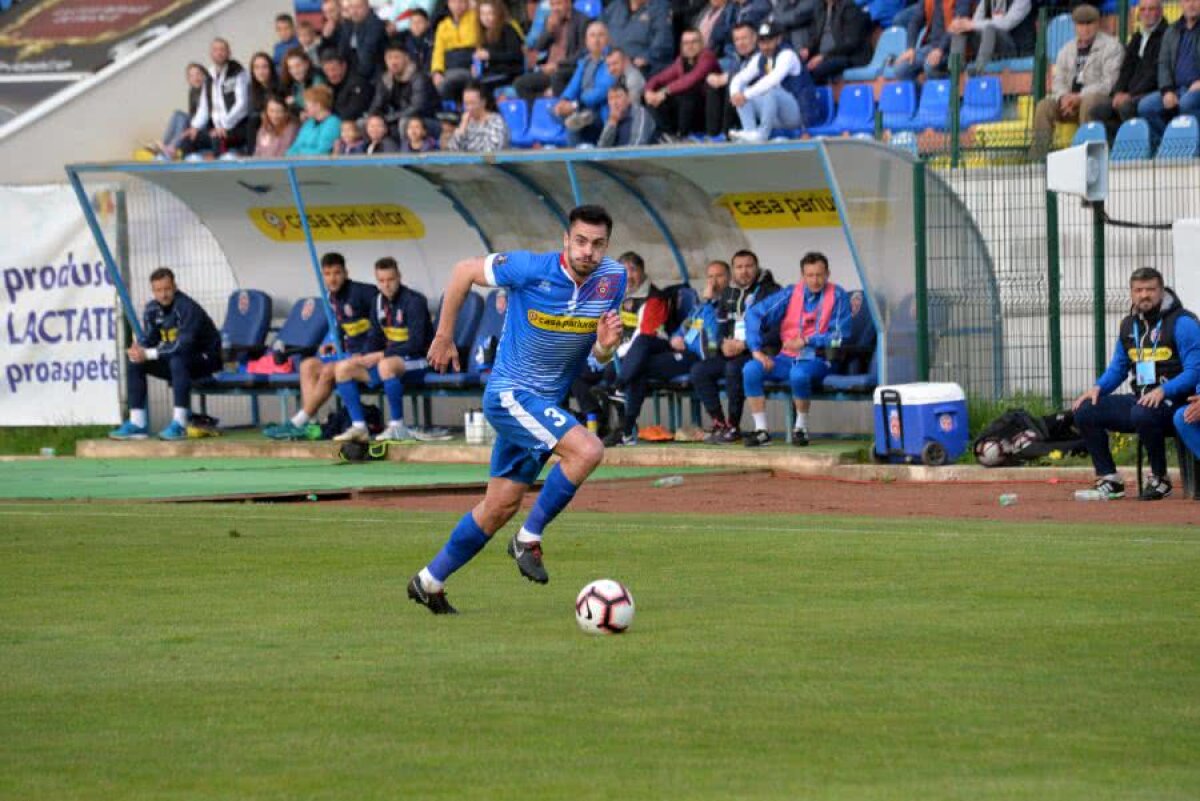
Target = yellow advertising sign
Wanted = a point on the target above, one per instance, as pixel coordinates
(796, 209)
(368, 221)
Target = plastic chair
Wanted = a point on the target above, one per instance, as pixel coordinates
(898, 102)
(247, 318)
(544, 126)
(516, 117)
(1060, 31)
(982, 102)
(816, 104)
(891, 44)
(1181, 140)
(855, 113)
(1132, 142)
(1090, 132)
(934, 109)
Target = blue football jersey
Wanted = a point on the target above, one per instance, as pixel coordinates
(551, 322)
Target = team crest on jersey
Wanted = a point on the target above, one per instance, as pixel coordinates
(243, 302)
(306, 311)
(605, 287)
(348, 310)
(499, 259)
(544, 286)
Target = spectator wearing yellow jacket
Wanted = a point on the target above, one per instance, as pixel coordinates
(454, 45)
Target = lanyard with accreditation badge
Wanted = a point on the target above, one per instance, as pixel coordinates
(1144, 370)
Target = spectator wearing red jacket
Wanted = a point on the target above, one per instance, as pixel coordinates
(675, 96)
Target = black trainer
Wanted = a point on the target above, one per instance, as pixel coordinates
(1114, 487)
(435, 602)
(800, 438)
(529, 559)
(756, 439)
(1157, 488)
(730, 435)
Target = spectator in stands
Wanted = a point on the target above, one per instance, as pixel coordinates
(399, 336)
(276, 132)
(179, 126)
(363, 39)
(620, 68)
(562, 41)
(179, 343)
(1158, 351)
(285, 39)
(928, 32)
(320, 130)
(765, 91)
(676, 95)
(353, 305)
(715, 22)
(480, 130)
(308, 41)
(1178, 72)
(403, 91)
(853, 357)
(811, 314)
(840, 40)
(417, 137)
(379, 139)
(642, 28)
(750, 284)
(997, 29)
(220, 122)
(352, 95)
(264, 84)
(1139, 69)
(583, 101)
(797, 18)
(418, 39)
(350, 141)
(454, 46)
(627, 124)
(499, 55)
(693, 341)
(719, 113)
(1085, 72)
(301, 76)
(332, 30)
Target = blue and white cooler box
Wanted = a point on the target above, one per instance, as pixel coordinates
(920, 422)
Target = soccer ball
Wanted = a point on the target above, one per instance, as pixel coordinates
(990, 453)
(604, 607)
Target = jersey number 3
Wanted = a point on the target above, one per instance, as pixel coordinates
(556, 417)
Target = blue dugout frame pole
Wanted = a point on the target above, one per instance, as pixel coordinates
(316, 261)
(89, 214)
(576, 194)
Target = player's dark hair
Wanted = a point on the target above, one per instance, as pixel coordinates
(285, 18)
(688, 30)
(592, 215)
(331, 54)
(161, 273)
(1146, 274)
(418, 12)
(599, 22)
(632, 258)
(753, 30)
(333, 259)
(743, 253)
(814, 257)
(618, 86)
(396, 45)
(724, 265)
(387, 263)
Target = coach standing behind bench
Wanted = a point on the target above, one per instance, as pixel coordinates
(1160, 343)
(179, 343)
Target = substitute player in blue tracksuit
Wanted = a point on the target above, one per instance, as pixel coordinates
(400, 335)
(179, 343)
(562, 306)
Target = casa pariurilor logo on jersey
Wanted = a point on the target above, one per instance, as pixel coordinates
(561, 323)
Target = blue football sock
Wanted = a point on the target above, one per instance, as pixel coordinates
(465, 541)
(393, 388)
(348, 392)
(557, 492)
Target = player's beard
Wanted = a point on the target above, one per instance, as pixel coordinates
(581, 268)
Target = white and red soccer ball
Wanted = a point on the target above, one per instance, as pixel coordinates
(604, 607)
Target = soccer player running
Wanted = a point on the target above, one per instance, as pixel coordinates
(562, 310)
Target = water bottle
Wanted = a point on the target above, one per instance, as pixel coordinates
(227, 357)
(1008, 499)
(593, 424)
(668, 481)
(1091, 495)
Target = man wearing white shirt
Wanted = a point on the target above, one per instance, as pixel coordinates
(764, 91)
(219, 124)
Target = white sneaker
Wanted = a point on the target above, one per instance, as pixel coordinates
(432, 434)
(749, 137)
(353, 434)
(396, 432)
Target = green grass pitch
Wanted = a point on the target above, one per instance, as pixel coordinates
(247, 652)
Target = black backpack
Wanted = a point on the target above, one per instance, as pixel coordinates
(1017, 436)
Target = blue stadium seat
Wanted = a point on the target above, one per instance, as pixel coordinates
(1181, 140)
(487, 335)
(889, 71)
(544, 127)
(247, 318)
(859, 382)
(465, 328)
(1132, 142)
(1060, 31)
(982, 102)
(906, 141)
(1090, 132)
(516, 117)
(934, 109)
(898, 102)
(589, 8)
(1021, 64)
(817, 106)
(855, 113)
(891, 44)
(686, 299)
